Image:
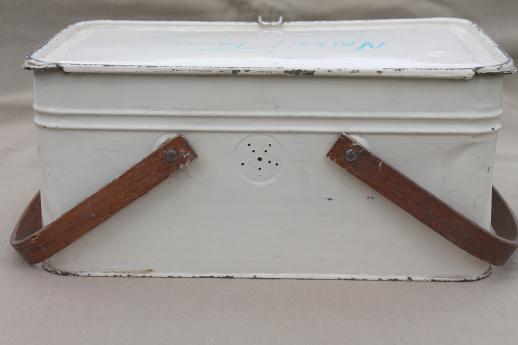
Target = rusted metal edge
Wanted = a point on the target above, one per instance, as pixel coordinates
(149, 273)
(31, 64)
(431, 73)
(506, 67)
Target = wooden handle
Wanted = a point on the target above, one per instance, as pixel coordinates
(36, 243)
(389, 182)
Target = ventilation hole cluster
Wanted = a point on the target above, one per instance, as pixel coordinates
(260, 158)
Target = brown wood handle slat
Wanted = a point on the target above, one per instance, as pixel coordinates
(36, 243)
(389, 182)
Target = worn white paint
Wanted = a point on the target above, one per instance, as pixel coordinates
(436, 47)
(305, 219)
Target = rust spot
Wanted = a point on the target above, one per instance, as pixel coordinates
(300, 72)
(46, 68)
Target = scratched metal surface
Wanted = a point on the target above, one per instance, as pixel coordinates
(44, 308)
(430, 47)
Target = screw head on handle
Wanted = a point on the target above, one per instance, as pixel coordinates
(350, 155)
(171, 156)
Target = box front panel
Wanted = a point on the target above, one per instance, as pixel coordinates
(287, 212)
(262, 199)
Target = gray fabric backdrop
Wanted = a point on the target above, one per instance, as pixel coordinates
(36, 307)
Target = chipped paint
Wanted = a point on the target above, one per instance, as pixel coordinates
(435, 73)
(35, 65)
(292, 276)
(300, 72)
(503, 64)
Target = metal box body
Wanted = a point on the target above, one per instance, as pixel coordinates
(263, 200)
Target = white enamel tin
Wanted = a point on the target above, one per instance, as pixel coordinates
(261, 106)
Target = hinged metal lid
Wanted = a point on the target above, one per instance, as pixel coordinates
(433, 48)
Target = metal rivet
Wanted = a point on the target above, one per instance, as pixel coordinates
(350, 155)
(171, 156)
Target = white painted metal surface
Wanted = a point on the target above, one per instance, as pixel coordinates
(437, 47)
(263, 200)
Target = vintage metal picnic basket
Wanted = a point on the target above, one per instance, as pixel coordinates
(269, 150)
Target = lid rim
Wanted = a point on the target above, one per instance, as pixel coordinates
(457, 73)
(36, 63)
